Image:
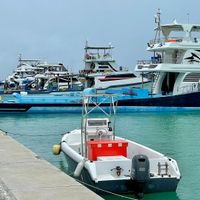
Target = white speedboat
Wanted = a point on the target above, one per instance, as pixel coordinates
(101, 71)
(107, 163)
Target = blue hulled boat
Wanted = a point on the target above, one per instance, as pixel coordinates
(129, 100)
(174, 69)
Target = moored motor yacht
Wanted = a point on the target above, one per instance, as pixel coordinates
(107, 163)
(174, 67)
(25, 71)
(36, 76)
(102, 72)
(175, 63)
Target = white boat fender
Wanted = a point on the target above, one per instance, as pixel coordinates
(79, 167)
(56, 149)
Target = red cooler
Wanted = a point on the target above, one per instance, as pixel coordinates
(106, 148)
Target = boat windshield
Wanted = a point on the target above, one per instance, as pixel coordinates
(97, 122)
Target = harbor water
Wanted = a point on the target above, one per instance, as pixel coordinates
(174, 134)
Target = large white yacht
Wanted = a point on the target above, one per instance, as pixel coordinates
(174, 66)
(102, 72)
(176, 58)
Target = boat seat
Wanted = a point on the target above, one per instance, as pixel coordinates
(106, 166)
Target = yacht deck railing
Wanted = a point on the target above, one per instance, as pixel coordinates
(157, 60)
(149, 62)
(94, 57)
(172, 39)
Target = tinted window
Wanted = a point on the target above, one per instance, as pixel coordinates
(97, 122)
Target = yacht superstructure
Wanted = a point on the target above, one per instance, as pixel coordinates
(175, 62)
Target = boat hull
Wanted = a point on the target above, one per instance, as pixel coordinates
(39, 108)
(122, 186)
(184, 102)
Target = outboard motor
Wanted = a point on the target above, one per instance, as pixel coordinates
(140, 169)
(140, 173)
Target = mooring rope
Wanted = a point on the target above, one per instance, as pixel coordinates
(106, 191)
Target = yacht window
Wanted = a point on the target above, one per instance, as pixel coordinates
(192, 77)
(101, 70)
(61, 80)
(103, 67)
(121, 76)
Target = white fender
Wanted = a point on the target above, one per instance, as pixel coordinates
(79, 168)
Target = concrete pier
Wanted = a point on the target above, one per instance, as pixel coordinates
(24, 176)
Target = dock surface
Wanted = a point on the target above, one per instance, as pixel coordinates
(25, 176)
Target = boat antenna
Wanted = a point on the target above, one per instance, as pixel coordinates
(158, 28)
(86, 43)
(20, 59)
(86, 50)
(188, 18)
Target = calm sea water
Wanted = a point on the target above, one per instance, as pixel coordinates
(174, 134)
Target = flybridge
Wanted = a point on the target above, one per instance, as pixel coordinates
(188, 33)
(98, 47)
(101, 53)
(187, 28)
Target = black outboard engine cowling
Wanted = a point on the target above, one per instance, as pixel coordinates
(140, 169)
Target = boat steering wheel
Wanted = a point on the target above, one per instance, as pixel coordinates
(101, 131)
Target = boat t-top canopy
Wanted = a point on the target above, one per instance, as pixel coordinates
(87, 47)
(98, 100)
(91, 102)
(99, 47)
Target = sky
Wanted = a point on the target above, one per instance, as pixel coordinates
(56, 31)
